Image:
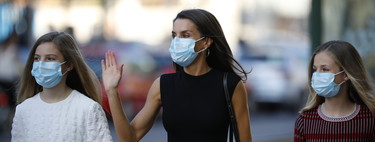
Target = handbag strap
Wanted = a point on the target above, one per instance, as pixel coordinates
(233, 125)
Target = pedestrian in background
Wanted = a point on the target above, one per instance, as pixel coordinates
(192, 99)
(59, 96)
(341, 104)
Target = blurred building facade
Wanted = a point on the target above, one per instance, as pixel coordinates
(147, 21)
(348, 20)
(352, 21)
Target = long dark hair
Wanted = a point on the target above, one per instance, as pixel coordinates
(220, 56)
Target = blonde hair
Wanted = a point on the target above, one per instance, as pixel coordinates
(360, 88)
(80, 78)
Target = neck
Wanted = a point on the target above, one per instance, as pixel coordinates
(198, 67)
(339, 105)
(196, 71)
(55, 94)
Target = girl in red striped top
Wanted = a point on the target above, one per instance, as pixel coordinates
(341, 104)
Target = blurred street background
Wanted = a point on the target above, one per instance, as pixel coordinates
(272, 38)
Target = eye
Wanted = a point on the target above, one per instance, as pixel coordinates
(314, 68)
(185, 35)
(325, 70)
(51, 59)
(173, 35)
(36, 58)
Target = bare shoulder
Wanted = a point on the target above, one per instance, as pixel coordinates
(240, 88)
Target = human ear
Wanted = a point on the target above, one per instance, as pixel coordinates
(68, 67)
(346, 78)
(207, 43)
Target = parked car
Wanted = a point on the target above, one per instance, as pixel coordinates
(272, 83)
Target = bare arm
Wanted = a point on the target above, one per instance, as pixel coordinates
(144, 120)
(142, 123)
(241, 110)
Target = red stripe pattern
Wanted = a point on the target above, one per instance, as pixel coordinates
(311, 127)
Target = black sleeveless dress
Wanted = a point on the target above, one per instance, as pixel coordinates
(194, 107)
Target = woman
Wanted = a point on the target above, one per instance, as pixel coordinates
(192, 99)
(59, 95)
(341, 104)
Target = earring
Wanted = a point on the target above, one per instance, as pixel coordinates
(208, 52)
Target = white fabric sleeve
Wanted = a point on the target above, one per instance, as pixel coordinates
(18, 128)
(97, 125)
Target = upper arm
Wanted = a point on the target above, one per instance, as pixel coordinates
(144, 120)
(18, 126)
(241, 110)
(97, 124)
(298, 129)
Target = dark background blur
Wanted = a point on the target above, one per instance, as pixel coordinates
(272, 38)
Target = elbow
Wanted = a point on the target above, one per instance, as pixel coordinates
(127, 138)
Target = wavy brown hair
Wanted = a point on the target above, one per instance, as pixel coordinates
(360, 87)
(80, 78)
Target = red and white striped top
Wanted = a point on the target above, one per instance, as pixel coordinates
(314, 126)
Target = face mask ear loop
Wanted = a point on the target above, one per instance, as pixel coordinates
(63, 63)
(342, 82)
(339, 72)
(200, 39)
(201, 50)
(66, 70)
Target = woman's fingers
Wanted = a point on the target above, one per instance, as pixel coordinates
(114, 62)
(121, 69)
(106, 60)
(103, 66)
(109, 57)
(110, 60)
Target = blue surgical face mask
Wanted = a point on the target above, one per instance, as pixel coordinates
(324, 85)
(182, 50)
(47, 74)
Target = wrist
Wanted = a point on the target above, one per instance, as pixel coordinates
(111, 91)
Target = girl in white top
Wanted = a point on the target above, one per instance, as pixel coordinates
(59, 95)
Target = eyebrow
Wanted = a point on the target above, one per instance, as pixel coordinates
(184, 31)
(324, 65)
(45, 55)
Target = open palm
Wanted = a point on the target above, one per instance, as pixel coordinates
(111, 72)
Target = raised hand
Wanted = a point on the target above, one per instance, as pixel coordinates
(111, 78)
(111, 72)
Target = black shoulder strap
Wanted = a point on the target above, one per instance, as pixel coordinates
(233, 125)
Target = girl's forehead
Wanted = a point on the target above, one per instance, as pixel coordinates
(47, 48)
(324, 59)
